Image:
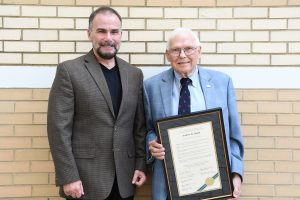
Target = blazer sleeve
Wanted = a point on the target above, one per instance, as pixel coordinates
(151, 135)
(140, 130)
(236, 140)
(59, 127)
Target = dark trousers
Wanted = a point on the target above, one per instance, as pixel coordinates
(115, 194)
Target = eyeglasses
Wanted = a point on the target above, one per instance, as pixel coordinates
(187, 50)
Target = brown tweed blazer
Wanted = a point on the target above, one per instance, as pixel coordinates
(87, 141)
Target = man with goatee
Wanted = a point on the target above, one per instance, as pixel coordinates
(96, 125)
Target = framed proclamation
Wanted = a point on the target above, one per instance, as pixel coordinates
(196, 162)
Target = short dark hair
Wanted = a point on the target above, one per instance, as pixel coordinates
(103, 9)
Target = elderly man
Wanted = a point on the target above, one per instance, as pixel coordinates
(207, 89)
(96, 125)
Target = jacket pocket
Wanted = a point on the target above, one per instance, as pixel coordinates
(84, 153)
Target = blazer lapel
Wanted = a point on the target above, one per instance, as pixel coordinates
(166, 91)
(124, 82)
(207, 88)
(94, 69)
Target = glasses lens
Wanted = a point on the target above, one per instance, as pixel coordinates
(187, 51)
(174, 52)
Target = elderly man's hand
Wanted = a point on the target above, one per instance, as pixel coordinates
(237, 185)
(157, 150)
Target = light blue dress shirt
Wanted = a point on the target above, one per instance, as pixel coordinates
(197, 98)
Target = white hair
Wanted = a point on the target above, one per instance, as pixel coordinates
(179, 31)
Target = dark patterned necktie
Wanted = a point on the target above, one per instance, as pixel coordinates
(184, 106)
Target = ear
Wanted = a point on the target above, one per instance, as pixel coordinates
(199, 51)
(168, 56)
(89, 34)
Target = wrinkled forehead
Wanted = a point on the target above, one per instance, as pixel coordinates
(182, 39)
(105, 20)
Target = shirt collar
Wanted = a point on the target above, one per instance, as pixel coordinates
(194, 77)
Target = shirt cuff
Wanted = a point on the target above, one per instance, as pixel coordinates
(150, 136)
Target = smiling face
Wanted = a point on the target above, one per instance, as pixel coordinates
(105, 35)
(182, 63)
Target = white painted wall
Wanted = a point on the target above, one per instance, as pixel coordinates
(243, 77)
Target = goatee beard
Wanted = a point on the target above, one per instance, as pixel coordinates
(107, 55)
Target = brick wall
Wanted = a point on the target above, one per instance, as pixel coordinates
(234, 33)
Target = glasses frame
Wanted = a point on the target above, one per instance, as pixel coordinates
(177, 51)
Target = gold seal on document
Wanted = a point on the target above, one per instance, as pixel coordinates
(209, 181)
